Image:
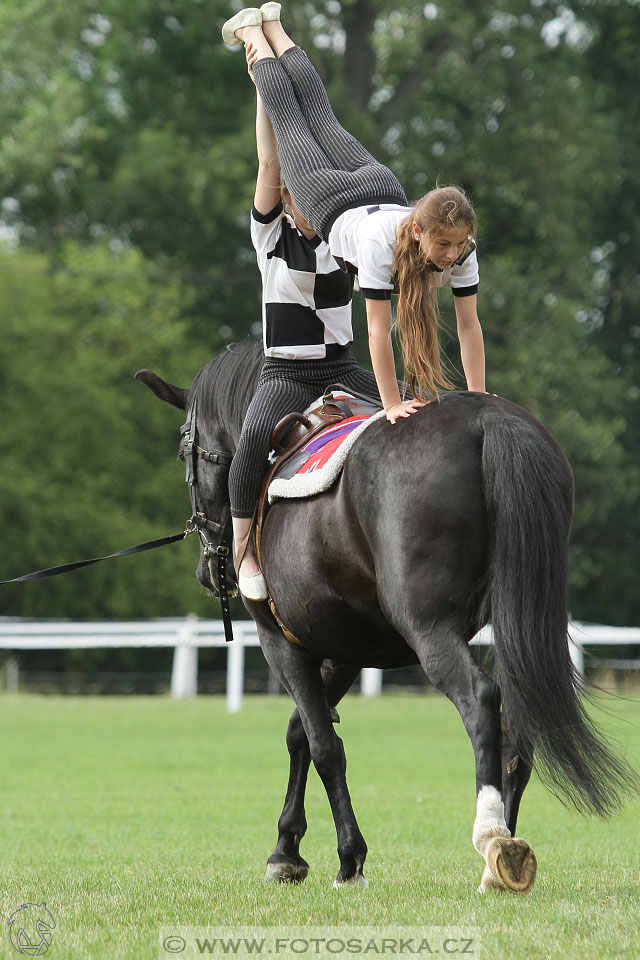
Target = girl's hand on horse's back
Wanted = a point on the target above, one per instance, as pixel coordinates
(403, 410)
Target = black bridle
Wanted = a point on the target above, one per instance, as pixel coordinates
(213, 550)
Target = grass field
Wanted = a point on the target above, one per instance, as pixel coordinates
(126, 815)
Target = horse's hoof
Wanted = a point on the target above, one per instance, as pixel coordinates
(489, 882)
(512, 863)
(356, 881)
(286, 872)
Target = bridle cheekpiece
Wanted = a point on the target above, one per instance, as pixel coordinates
(199, 523)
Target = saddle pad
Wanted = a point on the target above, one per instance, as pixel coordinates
(322, 459)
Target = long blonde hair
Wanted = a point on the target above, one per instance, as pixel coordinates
(417, 313)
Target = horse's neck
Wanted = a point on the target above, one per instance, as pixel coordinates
(241, 392)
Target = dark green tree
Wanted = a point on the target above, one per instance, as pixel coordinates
(88, 455)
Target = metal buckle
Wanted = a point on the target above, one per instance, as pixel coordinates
(222, 551)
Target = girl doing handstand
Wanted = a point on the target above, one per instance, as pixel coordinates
(358, 206)
(307, 336)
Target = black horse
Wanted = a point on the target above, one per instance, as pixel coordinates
(454, 516)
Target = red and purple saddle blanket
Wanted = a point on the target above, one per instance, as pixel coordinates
(318, 463)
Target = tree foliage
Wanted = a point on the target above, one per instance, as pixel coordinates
(127, 164)
(89, 461)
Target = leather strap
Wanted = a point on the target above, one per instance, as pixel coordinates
(328, 398)
(222, 553)
(203, 523)
(199, 522)
(341, 405)
(68, 567)
(287, 633)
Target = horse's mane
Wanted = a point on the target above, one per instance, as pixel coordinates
(225, 386)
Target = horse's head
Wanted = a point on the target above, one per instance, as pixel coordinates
(204, 449)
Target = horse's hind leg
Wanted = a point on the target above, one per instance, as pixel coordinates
(449, 664)
(517, 764)
(285, 863)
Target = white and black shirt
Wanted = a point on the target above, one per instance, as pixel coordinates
(306, 294)
(367, 236)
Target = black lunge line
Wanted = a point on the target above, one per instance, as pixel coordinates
(68, 567)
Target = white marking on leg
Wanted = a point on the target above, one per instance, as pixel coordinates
(356, 881)
(489, 822)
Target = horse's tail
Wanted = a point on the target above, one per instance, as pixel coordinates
(529, 493)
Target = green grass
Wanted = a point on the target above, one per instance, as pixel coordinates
(130, 814)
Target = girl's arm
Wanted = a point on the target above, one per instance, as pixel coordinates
(381, 350)
(267, 194)
(471, 342)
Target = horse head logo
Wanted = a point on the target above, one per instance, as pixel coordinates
(30, 929)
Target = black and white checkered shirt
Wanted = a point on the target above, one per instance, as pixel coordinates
(306, 296)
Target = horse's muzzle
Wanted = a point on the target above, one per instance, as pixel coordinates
(207, 576)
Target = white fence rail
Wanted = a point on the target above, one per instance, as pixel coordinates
(187, 634)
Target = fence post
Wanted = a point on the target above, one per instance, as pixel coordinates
(371, 682)
(184, 675)
(235, 672)
(576, 652)
(12, 675)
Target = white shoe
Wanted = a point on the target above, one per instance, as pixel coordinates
(270, 11)
(253, 587)
(249, 17)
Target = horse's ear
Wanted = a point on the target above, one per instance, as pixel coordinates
(176, 396)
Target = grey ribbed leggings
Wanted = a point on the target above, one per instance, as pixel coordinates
(284, 386)
(326, 170)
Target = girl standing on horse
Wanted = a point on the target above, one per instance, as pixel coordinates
(358, 206)
(307, 336)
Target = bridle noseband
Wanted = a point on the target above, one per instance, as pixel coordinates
(201, 524)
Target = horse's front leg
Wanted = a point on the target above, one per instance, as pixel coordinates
(449, 664)
(300, 673)
(285, 863)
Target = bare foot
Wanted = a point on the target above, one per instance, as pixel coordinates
(275, 34)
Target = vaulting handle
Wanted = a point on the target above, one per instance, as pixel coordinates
(285, 424)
